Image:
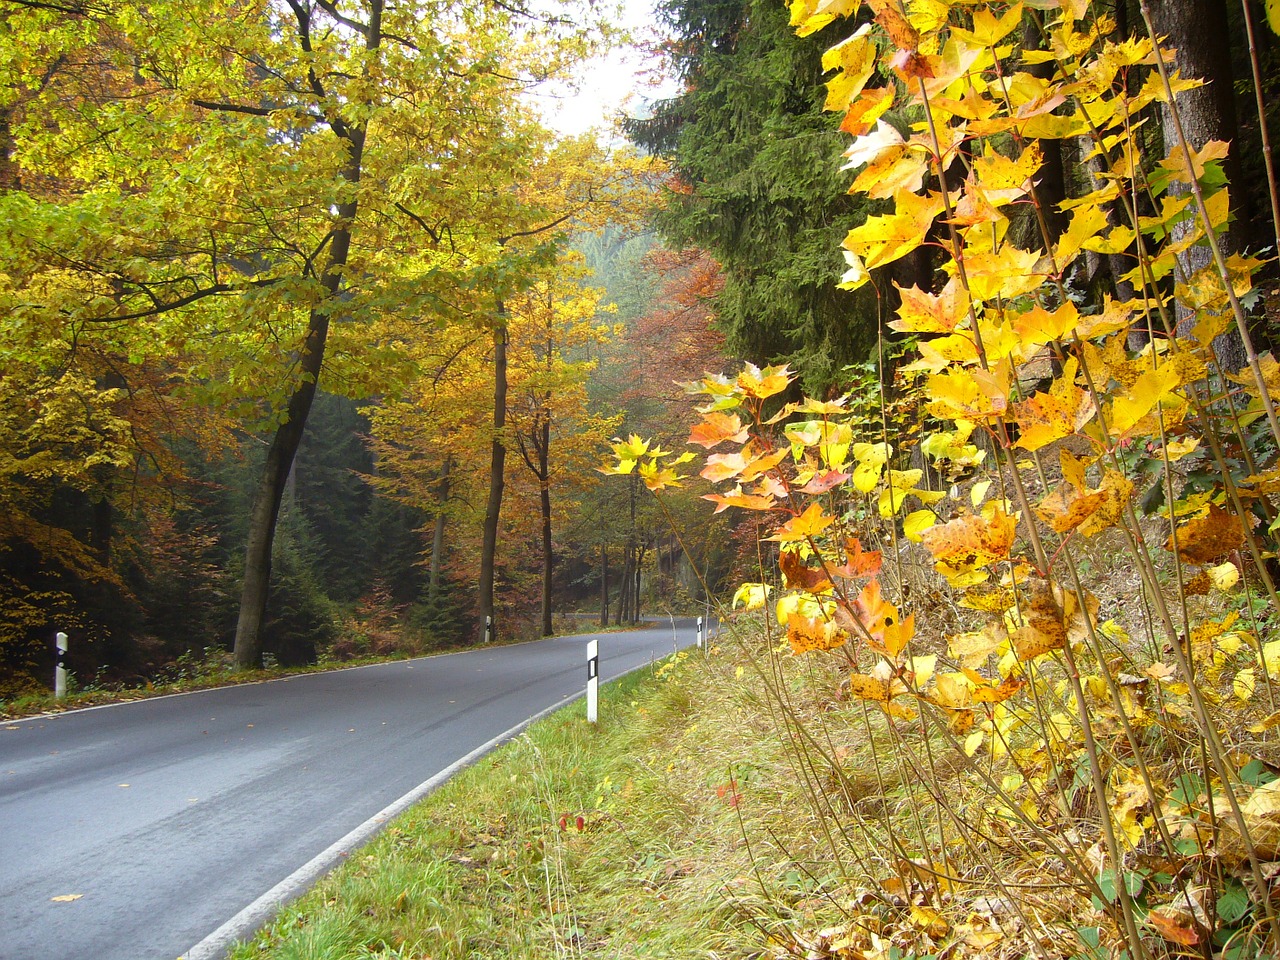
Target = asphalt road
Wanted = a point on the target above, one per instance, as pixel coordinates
(163, 819)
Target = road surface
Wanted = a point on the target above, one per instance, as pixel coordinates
(136, 831)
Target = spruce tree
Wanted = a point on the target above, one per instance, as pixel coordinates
(759, 184)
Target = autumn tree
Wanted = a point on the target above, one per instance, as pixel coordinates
(434, 447)
(558, 439)
(264, 194)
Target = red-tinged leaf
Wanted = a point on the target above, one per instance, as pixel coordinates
(801, 576)
(824, 482)
(717, 427)
(744, 500)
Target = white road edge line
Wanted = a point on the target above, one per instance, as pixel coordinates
(262, 910)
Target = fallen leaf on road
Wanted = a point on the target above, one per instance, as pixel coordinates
(66, 897)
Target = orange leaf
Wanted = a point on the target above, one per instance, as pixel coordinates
(810, 523)
(813, 633)
(1173, 927)
(1210, 537)
(763, 464)
(801, 576)
(901, 33)
(723, 466)
(866, 110)
(717, 427)
(1066, 508)
(972, 541)
(1044, 627)
(924, 312)
(739, 499)
(861, 562)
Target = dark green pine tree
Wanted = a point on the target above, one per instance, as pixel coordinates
(760, 184)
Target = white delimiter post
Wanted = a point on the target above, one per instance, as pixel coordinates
(593, 679)
(702, 637)
(60, 672)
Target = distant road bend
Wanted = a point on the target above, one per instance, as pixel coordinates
(136, 831)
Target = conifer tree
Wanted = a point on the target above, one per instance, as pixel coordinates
(758, 184)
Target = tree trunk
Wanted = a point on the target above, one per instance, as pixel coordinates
(288, 436)
(1197, 30)
(604, 585)
(497, 468)
(1051, 179)
(544, 483)
(437, 535)
(275, 475)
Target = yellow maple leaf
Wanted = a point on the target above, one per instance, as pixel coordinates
(964, 394)
(883, 239)
(855, 59)
(1052, 415)
(922, 312)
(808, 524)
(1128, 409)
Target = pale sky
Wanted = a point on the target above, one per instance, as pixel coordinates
(608, 84)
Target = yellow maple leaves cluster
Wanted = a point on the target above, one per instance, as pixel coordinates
(949, 117)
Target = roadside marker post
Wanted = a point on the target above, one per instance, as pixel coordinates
(593, 680)
(702, 637)
(60, 671)
(488, 629)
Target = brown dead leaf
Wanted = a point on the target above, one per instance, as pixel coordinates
(1210, 537)
(801, 576)
(66, 898)
(1044, 627)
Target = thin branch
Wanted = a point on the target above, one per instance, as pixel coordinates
(160, 308)
(502, 241)
(234, 108)
(435, 237)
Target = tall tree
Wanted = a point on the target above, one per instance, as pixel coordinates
(268, 193)
(757, 183)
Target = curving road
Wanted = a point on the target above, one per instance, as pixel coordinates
(164, 822)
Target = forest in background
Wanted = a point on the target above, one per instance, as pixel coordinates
(306, 295)
(178, 190)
